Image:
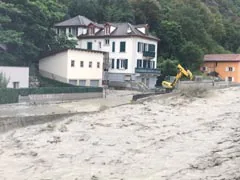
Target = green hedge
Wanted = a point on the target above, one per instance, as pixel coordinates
(8, 96)
(11, 95)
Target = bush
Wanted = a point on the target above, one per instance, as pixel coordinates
(8, 96)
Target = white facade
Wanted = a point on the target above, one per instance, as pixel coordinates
(18, 76)
(75, 66)
(131, 54)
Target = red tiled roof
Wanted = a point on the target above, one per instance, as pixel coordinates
(222, 57)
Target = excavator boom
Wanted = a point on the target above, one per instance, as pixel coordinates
(181, 72)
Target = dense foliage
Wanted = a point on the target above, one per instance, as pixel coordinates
(188, 29)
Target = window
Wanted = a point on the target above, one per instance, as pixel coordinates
(230, 69)
(122, 46)
(72, 63)
(204, 68)
(230, 79)
(91, 30)
(81, 64)
(98, 64)
(139, 47)
(144, 63)
(69, 30)
(94, 83)
(106, 41)
(113, 60)
(90, 64)
(82, 82)
(74, 31)
(89, 45)
(113, 46)
(122, 63)
(151, 47)
(107, 30)
(145, 47)
(139, 63)
(153, 64)
(15, 85)
(62, 31)
(73, 82)
(100, 45)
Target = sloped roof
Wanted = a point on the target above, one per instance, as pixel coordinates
(222, 57)
(122, 30)
(75, 21)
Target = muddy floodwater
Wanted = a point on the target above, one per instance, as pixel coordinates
(183, 137)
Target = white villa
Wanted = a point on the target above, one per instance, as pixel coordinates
(132, 49)
(75, 66)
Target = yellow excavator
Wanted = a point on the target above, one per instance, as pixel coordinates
(181, 72)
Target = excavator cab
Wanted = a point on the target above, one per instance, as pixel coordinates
(181, 72)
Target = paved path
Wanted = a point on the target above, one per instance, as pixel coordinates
(114, 98)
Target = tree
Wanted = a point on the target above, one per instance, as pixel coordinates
(3, 80)
(191, 56)
(168, 67)
(27, 28)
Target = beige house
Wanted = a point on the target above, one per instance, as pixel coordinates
(75, 66)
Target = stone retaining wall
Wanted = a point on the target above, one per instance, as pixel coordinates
(9, 123)
(49, 98)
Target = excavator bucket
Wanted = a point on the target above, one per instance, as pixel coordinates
(167, 85)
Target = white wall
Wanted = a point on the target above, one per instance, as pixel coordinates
(16, 74)
(55, 64)
(58, 66)
(131, 50)
(85, 72)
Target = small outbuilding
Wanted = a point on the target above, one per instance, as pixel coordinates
(18, 77)
(74, 66)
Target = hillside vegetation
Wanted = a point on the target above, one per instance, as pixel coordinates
(188, 29)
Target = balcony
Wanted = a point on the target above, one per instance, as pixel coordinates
(149, 54)
(147, 70)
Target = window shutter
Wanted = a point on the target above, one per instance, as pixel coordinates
(232, 79)
(113, 46)
(138, 63)
(233, 69)
(226, 69)
(112, 63)
(126, 64)
(117, 63)
(122, 46)
(144, 47)
(153, 65)
(139, 46)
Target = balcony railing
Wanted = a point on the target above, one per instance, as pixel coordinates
(147, 70)
(148, 54)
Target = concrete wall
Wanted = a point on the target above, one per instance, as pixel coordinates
(55, 64)
(205, 84)
(16, 74)
(9, 123)
(49, 98)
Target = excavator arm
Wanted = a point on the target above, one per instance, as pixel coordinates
(181, 72)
